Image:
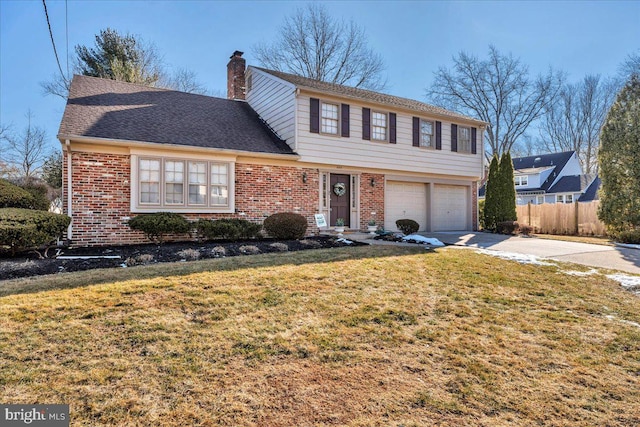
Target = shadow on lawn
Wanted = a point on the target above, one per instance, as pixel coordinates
(177, 269)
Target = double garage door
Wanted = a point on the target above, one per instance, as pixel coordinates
(410, 200)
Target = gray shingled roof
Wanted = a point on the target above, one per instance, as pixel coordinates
(110, 109)
(366, 95)
(591, 193)
(572, 183)
(557, 160)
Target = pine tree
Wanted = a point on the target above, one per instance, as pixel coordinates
(508, 190)
(619, 159)
(492, 193)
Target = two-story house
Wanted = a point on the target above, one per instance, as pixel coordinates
(551, 178)
(280, 143)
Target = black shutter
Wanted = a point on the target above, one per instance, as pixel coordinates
(392, 128)
(315, 116)
(416, 132)
(366, 123)
(344, 110)
(454, 137)
(438, 135)
(474, 145)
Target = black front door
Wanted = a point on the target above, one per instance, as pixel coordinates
(340, 198)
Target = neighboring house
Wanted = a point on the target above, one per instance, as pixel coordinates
(294, 145)
(551, 178)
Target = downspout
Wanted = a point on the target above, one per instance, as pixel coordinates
(67, 144)
(295, 119)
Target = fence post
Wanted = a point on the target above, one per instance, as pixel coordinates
(576, 218)
(529, 214)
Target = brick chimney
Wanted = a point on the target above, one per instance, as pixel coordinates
(235, 76)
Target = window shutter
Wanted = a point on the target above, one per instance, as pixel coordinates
(392, 128)
(315, 116)
(344, 108)
(366, 123)
(454, 137)
(474, 145)
(438, 135)
(416, 132)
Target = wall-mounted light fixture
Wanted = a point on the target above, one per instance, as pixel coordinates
(372, 182)
(304, 177)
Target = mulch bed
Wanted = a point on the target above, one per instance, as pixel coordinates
(27, 265)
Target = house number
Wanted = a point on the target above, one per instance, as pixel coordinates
(340, 188)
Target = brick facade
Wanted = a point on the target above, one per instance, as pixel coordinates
(101, 198)
(474, 205)
(371, 199)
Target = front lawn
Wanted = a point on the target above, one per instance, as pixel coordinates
(366, 336)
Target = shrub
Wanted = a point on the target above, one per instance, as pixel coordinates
(280, 247)
(227, 228)
(22, 229)
(629, 236)
(141, 259)
(157, 225)
(39, 195)
(507, 227)
(189, 254)
(249, 249)
(407, 226)
(525, 230)
(286, 225)
(219, 251)
(12, 196)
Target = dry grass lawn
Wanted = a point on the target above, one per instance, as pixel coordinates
(368, 336)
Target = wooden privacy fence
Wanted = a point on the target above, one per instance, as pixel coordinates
(562, 218)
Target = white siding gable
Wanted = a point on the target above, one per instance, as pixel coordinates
(274, 100)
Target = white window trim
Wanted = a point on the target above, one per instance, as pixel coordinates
(386, 126)
(338, 127)
(460, 150)
(433, 134)
(137, 207)
(518, 180)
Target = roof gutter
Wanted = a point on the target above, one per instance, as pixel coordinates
(191, 148)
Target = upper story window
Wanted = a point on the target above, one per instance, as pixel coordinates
(378, 126)
(174, 183)
(329, 118)
(464, 139)
(426, 134)
(521, 180)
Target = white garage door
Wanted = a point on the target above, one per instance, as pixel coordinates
(405, 200)
(449, 208)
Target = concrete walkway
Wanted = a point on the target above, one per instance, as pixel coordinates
(599, 256)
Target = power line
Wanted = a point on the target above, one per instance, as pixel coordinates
(66, 29)
(55, 51)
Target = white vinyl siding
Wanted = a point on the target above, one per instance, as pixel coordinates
(274, 100)
(402, 156)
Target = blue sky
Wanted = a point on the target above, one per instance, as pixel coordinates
(413, 37)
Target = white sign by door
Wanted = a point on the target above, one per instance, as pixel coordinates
(321, 221)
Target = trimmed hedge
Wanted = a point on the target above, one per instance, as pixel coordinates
(407, 226)
(22, 229)
(157, 225)
(286, 225)
(629, 236)
(227, 228)
(38, 192)
(12, 196)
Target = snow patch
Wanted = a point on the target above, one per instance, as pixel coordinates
(511, 256)
(345, 241)
(416, 238)
(581, 273)
(630, 283)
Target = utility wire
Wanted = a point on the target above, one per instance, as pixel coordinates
(66, 29)
(53, 42)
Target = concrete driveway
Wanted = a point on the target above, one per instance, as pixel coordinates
(613, 257)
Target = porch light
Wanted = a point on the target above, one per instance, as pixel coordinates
(372, 182)
(304, 177)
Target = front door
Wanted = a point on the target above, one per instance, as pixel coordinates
(340, 198)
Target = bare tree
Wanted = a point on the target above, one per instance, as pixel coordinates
(26, 151)
(183, 80)
(575, 120)
(630, 67)
(315, 45)
(497, 90)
